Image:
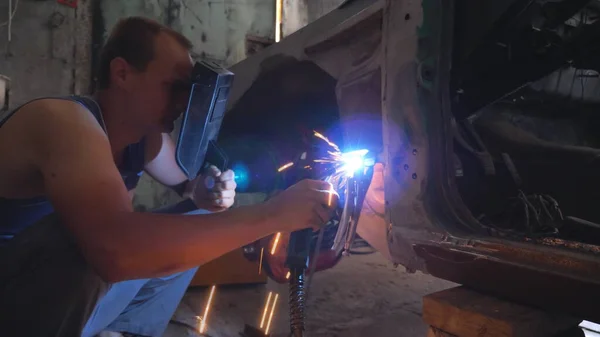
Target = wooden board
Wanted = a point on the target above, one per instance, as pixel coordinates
(465, 313)
(231, 268)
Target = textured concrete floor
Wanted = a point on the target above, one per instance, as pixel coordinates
(364, 295)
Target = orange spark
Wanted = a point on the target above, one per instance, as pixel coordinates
(330, 196)
(287, 276)
(207, 309)
(285, 167)
(264, 316)
(271, 315)
(277, 237)
(332, 144)
(262, 251)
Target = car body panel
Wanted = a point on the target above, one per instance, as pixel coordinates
(391, 62)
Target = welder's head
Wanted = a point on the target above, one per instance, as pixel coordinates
(147, 66)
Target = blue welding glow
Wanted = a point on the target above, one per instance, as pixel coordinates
(242, 176)
(353, 161)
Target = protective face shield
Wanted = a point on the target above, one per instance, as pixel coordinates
(196, 145)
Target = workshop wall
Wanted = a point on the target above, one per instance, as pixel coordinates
(295, 16)
(218, 31)
(219, 28)
(299, 13)
(49, 49)
(52, 45)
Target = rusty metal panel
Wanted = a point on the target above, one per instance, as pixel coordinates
(405, 138)
(391, 60)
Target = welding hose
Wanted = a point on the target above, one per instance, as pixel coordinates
(299, 286)
(297, 302)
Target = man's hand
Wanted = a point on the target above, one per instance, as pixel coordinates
(214, 190)
(307, 204)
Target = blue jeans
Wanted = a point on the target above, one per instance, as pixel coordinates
(142, 307)
(47, 289)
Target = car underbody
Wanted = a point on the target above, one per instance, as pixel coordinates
(483, 118)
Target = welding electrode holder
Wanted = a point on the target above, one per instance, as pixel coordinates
(298, 257)
(356, 190)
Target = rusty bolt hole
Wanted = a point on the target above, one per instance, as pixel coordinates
(407, 16)
(414, 176)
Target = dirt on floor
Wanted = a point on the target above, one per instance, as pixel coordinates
(364, 295)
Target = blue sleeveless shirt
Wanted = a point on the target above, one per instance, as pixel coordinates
(17, 214)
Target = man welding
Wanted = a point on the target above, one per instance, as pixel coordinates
(75, 259)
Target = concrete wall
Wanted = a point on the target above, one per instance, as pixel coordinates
(49, 52)
(50, 49)
(299, 13)
(218, 30)
(295, 16)
(113, 10)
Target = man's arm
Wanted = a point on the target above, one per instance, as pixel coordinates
(160, 149)
(161, 165)
(73, 155)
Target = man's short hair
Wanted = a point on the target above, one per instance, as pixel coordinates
(133, 39)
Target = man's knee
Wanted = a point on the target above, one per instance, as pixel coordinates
(45, 277)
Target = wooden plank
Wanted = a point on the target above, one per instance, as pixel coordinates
(466, 313)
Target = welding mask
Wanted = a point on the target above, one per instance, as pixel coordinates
(196, 147)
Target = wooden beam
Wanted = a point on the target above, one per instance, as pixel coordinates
(465, 313)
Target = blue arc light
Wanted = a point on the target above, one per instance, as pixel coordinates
(353, 161)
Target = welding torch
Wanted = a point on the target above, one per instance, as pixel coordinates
(297, 261)
(356, 175)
